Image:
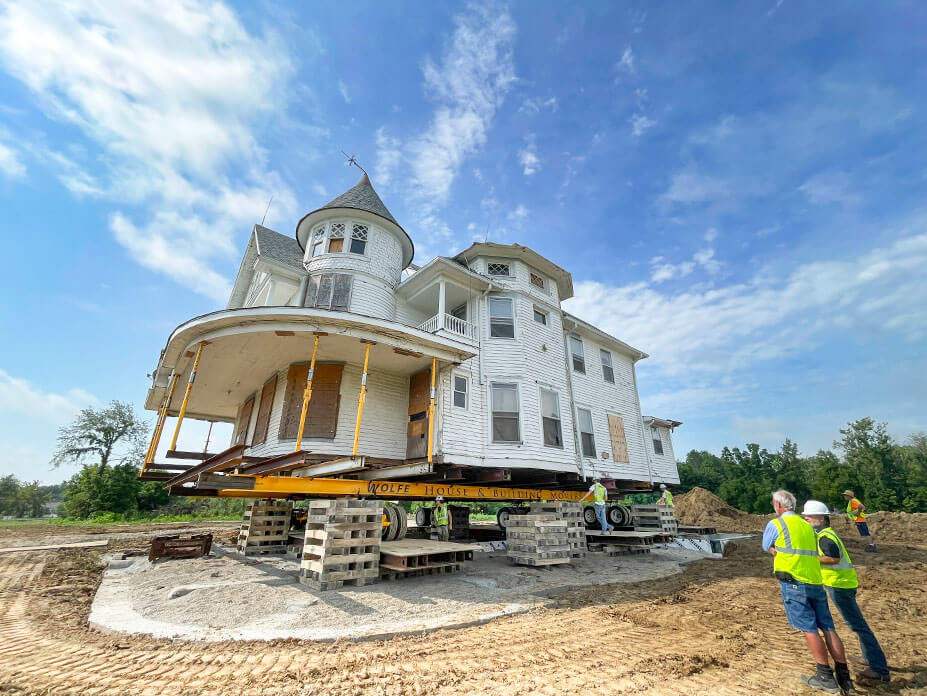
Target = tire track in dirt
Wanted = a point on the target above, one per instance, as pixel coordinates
(725, 637)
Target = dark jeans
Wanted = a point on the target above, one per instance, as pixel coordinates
(845, 601)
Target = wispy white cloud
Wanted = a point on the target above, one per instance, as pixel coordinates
(640, 124)
(532, 106)
(389, 156)
(10, 163)
(694, 186)
(626, 62)
(343, 89)
(519, 213)
(468, 85)
(169, 94)
(711, 235)
(828, 188)
(528, 157)
(21, 397)
(661, 270)
(771, 315)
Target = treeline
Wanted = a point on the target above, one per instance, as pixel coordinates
(884, 474)
(19, 499)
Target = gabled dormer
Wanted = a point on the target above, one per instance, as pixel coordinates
(271, 273)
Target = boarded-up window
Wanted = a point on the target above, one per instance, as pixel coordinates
(263, 417)
(618, 438)
(329, 291)
(335, 245)
(293, 401)
(244, 420)
(322, 417)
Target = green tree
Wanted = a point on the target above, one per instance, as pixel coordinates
(32, 500)
(98, 439)
(914, 462)
(874, 459)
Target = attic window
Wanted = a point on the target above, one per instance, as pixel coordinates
(537, 281)
(358, 239)
(499, 269)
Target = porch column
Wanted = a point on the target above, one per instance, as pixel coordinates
(442, 309)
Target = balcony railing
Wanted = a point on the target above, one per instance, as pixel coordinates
(451, 324)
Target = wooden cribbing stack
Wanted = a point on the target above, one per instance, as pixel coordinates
(264, 528)
(655, 518)
(572, 514)
(342, 543)
(537, 540)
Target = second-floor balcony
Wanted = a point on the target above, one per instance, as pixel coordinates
(449, 323)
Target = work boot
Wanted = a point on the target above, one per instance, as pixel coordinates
(823, 680)
(844, 680)
(872, 675)
(871, 549)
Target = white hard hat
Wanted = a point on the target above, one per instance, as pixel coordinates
(662, 485)
(440, 498)
(815, 508)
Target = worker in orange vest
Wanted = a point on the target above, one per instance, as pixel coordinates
(856, 511)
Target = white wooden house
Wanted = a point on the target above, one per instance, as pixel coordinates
(525, 392)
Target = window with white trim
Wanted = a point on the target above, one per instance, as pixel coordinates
(499, 269)
(538, 281)
(608, 372)
(540, 316)
(576, 351)
(501, 317)
(460, 391)
(586, 432)
(359, 238)
(550, 418)
(336, 237)
(329, 291)
(657, 441)
(318, 241)
(505, 426)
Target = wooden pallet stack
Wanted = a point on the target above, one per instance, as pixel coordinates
(622, 543)
(264, 528)
(408, 558)
(537, 540)
(572, 514)
(653, 518)
(342, 543)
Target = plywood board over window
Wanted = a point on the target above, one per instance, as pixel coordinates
(263, 417)
(322, 416)
(244, 420)
(618, 438)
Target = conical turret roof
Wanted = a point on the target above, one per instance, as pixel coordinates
(362, 197)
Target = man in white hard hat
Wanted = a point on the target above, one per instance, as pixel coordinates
(841, 582)
(441, 519)
(666, 498)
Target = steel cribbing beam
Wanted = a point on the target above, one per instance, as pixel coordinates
(224, 460)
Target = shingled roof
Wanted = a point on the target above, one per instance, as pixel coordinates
(363, 197)
(278, 247)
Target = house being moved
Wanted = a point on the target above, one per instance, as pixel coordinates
(463, 369)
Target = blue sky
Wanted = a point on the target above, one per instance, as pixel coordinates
(737, 188)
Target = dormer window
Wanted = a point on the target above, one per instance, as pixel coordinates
(336, 237)
(499, 269)
(358, 239)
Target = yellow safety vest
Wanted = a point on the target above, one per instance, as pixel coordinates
(858, 516)
(840, 574)
(797, 550)
(440, 514)
(669, 498)
(600, 493)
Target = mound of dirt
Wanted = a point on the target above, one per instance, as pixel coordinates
(701, 508)
(890, 527)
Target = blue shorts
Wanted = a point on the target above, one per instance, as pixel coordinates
(806, 607)
(863, 529)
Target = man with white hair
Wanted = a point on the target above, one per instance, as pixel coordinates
(793, 544)
(841, 582)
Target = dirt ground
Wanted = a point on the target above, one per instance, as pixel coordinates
(716, 629)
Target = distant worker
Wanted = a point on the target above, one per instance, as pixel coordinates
(442, 519)
(666, 498)
(794, 545)
(841, 582)
(856, 511)
(599, 495)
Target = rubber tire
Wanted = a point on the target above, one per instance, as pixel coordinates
(403, 522)
(423, 517)
(389, 534)
(615, 515)
(589, 516)
(626, 513)
(502, 516)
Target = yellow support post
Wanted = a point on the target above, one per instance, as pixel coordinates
(361, 400)
(307, 395)
(431, 411)
(159, 424)
(186, 396)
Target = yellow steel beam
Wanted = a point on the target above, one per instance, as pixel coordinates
(307, 395)
(159, 424)
(361, 400)
(186, 396)
(431, 412)
(287, 486)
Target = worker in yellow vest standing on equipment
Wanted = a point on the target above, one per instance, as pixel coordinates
(840, 580)
(856, 513)
(793, 544)
(599, 495)
(666, 498)
(442, 519)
